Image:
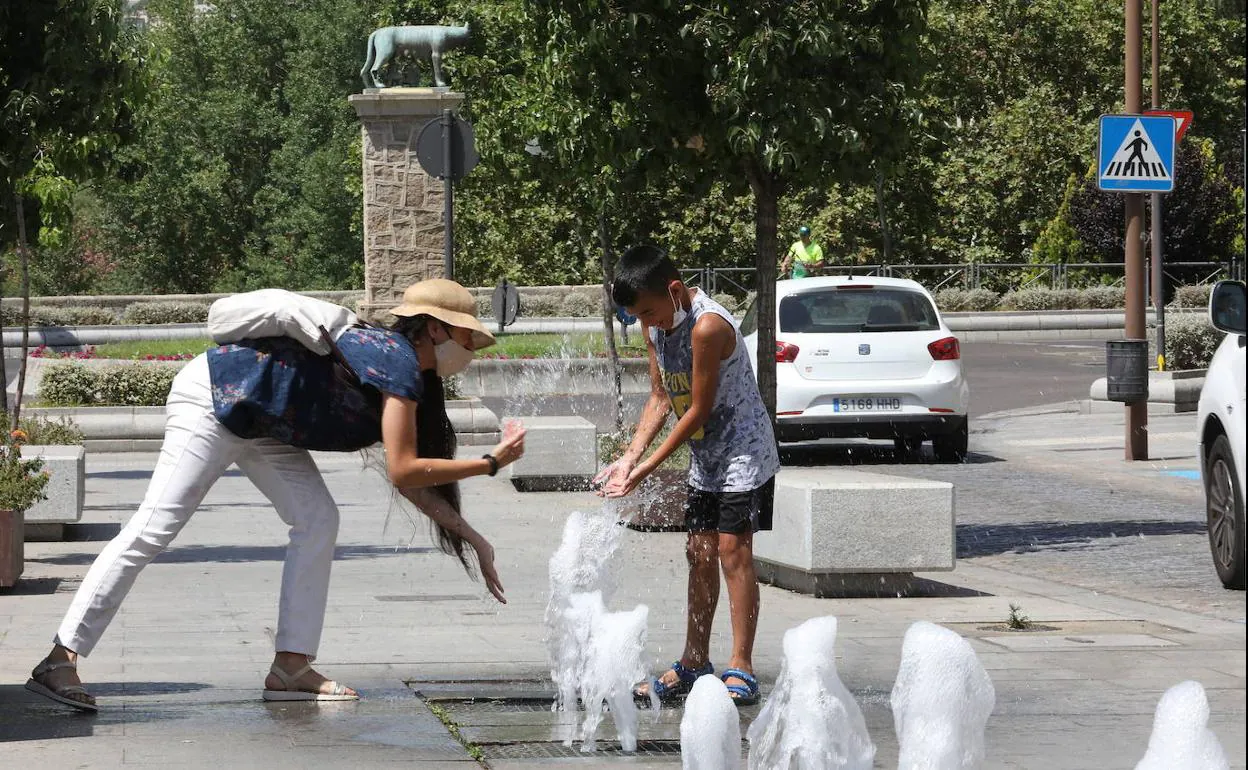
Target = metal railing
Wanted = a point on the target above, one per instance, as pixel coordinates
(974, 275)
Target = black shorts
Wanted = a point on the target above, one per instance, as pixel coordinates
(730, 512)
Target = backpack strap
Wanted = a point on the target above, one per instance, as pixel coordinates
(342, 367)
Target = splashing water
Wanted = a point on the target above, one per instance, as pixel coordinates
(1181, 738)
(595, 655)
(941, 701)
(710, 730)
(810, 721)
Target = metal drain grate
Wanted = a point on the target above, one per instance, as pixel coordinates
(536, 750)
(507, 706)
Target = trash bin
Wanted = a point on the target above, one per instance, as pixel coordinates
(1126, 362)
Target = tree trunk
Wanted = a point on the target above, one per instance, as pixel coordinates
(879, 205)
(766, 248)
(23, 258)
(608, 315)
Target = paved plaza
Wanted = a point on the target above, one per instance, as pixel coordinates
(1113, 555)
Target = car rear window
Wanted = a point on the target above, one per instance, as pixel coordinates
(868, 309)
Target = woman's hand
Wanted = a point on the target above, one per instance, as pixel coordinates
(624, 484)
(485, 562)
(511, 448)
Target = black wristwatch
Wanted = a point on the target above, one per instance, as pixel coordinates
(493, 463)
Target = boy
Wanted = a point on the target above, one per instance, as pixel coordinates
(700, 369)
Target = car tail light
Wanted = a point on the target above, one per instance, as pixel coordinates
(786, 353)
(945, 349)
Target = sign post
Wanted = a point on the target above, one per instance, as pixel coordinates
(1182, 119)
(446, 150)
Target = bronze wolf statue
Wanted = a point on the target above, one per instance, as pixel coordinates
(424, 41)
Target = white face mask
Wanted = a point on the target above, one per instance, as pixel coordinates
(453, 358)
(679, 314)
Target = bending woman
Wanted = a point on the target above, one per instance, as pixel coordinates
(263, 404)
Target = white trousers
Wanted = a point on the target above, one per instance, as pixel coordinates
(196, 451)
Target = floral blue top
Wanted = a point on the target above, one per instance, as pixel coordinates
(276, 388)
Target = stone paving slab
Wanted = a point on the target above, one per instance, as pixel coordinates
(185, 659)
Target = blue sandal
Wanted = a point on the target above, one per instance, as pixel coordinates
(668, 693)
(742, 694)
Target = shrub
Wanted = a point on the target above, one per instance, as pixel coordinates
(1192, 296)
(1102, 298)
(44, 431)
(21, 481)
(68, 384)
(485, 306)
(729, 302)
(73, 384)
(166, 313)
(1190, 341)
(1040, 299)
(581, 305)
(538, 307)
(964, 301)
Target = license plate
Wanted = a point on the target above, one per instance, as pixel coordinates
(867, 404)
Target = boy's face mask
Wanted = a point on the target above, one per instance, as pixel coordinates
(679, 314)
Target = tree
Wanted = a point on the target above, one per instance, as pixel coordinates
(67, 73)
(768, 96)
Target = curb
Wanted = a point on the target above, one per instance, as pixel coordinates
(971, 327)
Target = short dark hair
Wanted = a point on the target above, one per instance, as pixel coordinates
(641, 270)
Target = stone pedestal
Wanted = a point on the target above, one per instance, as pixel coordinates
(403, 206)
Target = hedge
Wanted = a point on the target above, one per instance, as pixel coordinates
(73, 384)
(166, 313)
(1190, 341)
(1093, 298)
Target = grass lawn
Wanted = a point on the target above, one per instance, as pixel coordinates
(509, 346)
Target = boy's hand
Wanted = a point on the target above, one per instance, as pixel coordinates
(624, 487)
(613, 475)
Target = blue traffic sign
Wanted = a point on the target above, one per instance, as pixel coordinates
(1135, 153)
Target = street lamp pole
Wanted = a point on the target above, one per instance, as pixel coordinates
(1136, 328)
(1155, 242)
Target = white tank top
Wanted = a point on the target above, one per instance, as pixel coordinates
(735, 451)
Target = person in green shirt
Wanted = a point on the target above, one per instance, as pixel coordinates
(804, 256)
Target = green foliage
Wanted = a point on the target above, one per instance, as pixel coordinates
(580, 304)
(74, 384)
(1190, 341)
(1193, 296)
(539, 307)
(1058, 242)
(1017, 620)
(60, 316)
(965, 301)
(1040, 299)
(1102, 298)
(44, 431)
(22, 482)
(165, 313)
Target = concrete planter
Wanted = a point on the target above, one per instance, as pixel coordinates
(518, 377)
(66, 490)
(1176, 391)
(12, 549)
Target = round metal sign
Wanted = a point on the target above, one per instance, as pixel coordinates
(431, 148)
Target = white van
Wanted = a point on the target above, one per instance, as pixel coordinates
(1222, 420)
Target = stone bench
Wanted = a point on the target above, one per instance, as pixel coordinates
(66, 491)
(560, 453)
(839, 531)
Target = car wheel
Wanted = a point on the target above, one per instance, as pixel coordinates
(907, 448)
(1224, 509)
(953, 447)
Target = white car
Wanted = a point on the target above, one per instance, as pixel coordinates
(1221, 425)
(866, 357)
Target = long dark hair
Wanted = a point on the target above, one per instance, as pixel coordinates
(435, 437)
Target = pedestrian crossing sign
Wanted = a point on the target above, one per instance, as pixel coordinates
(1136, 153)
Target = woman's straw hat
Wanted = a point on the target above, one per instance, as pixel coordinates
(448, 302)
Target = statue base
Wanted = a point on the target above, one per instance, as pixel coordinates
(404, 224)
